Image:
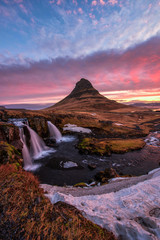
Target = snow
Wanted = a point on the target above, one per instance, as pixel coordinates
(118, 124)
(74, 128)
(130, 213)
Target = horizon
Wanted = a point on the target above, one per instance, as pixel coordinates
(47, 46)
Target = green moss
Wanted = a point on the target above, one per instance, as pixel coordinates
(9, 154)
(105, 146)
(81, 184)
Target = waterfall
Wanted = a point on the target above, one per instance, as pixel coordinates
(25, 152)
(37, 144)
(54, 132)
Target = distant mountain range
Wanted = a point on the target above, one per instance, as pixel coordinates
(85, 97)
(151, 104)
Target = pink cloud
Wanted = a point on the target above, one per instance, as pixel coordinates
(94, 3)
(75, 2)
(59, 2)
(6, 1)
(92, 16)
(23, 8)
(68, 12)
(113, 2)
(102, 2)
(134, 69)
(52, 1)
(80, 10)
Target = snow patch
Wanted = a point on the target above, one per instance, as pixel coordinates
(130, 213)
(118, 124)
(74, 128)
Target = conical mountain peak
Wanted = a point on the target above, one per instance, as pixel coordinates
(85, 97)
(83, 87)
(84, 83)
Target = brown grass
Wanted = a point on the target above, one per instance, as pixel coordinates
(25, 213)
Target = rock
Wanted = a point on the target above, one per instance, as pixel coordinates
(39, 125)
(81, 184)
(10, 133)
(92, 166)
(9, 154)
(104, 176)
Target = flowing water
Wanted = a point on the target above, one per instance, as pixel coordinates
(37, 148)
(67, 166)
(25, 152)
(54, 171)
(54, 132)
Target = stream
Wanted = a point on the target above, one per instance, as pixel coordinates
(53, 167)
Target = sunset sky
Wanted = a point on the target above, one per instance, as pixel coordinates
(46, 46)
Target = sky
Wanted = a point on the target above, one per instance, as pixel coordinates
(46, 46)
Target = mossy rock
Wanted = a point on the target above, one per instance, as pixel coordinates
(104, 176)
(94, 146)
(106, 146)
(81, 184)
(9, 154)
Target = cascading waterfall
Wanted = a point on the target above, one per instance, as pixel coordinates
(37, 144)
(25, 152)
(54, 132)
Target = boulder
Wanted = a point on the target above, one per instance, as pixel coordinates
(104, 176)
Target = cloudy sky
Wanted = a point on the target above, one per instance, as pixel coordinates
(46, 46)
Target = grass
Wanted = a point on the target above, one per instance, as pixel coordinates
(25, 213)
(9, 154)
(107, 146)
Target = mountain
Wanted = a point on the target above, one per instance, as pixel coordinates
(85, 97)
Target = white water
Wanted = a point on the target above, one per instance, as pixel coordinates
(54, 132)
(25, 152)
(38, 147)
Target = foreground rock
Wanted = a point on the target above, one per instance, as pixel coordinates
(10, 144)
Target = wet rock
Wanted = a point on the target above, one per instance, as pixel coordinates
(104, 176)
(39, 125)
(10, 133)
(9, 154)
(82, 184)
